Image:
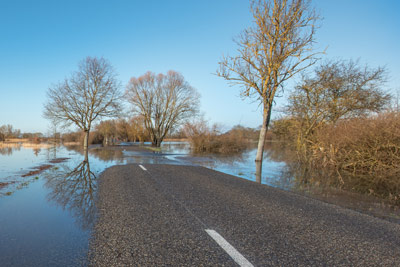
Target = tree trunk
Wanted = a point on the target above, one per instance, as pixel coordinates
(156, 142)
(86, 154)
(86, 141)
(263, 133)
(258, 171)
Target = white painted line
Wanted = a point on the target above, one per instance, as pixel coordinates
(143, 168)
(235, 255)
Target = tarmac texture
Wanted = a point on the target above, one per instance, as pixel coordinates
(157, 215)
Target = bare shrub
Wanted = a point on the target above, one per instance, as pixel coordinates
(362, 154)
(71, 137)
(205, 138)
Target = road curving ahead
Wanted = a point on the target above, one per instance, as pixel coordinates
(158, 215)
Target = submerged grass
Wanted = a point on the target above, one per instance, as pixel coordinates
(152, 148)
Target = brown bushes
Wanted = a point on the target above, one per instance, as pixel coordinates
(203, 138)
(72, 137)
(362, 154)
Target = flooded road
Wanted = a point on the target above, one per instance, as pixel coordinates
(47, 195)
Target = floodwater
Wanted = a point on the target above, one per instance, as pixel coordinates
(45, 218)
(47, 196)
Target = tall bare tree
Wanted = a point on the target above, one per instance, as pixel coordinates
(272, 51)
(163, 101)
(90, 93)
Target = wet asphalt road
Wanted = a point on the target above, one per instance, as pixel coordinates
(159, 217)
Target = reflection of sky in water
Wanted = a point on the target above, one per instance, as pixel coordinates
(36, 232)
(41, 224)
(18, 159)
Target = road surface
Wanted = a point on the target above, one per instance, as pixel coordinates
(160, 215)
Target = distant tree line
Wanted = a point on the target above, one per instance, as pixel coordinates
(7, 131)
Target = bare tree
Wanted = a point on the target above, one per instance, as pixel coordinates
(53, 132)
(163, 101)
(339, 89)
(90, 93)
(3, 133)
(8, 131)
(275, 49)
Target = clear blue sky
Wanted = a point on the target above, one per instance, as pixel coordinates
(41, 42)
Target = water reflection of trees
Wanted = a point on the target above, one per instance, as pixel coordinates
(102, 153)
(73, 189)
(279, 151)
(176, 147)
(36, 151)
(108, 154)
(7, 151)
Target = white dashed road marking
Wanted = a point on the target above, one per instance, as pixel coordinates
(232, 252)
(143, 168)
(235, 255)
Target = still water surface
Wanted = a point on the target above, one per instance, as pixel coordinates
(46, 218)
